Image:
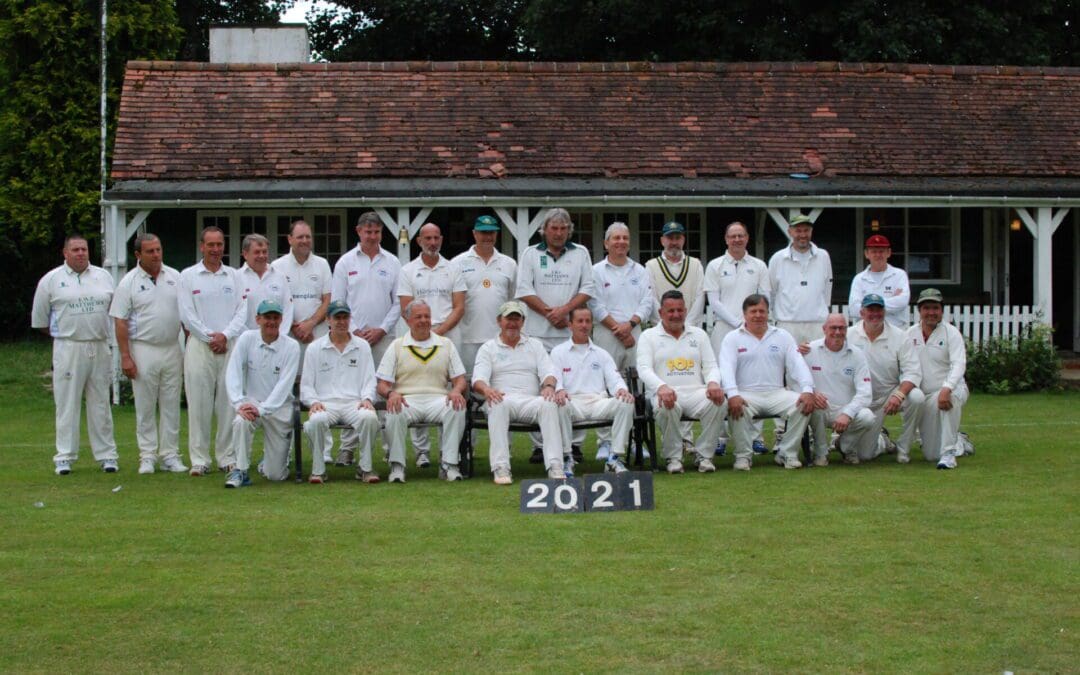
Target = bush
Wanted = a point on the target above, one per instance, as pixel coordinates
(1003, 365)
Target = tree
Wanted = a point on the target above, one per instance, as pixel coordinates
(196, 17)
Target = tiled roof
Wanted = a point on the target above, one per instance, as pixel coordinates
(505, 119)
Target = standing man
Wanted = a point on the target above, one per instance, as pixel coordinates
(842, 393)
(943, 358)
(673, 270)
(260, 281)
(490, 280)
(338, 386)
(588, 386)
(422, 379)
(262, 370)
(71, 304)
(210, 300)
(677, 366)
(146, 310)
(624, 298)
(514, 374)
(881, 278)
(754, 360)
(309, 279)
(895, 375)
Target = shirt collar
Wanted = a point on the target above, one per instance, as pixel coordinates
(791, 250)
(542, 246)
(204, 269)
(408, 340)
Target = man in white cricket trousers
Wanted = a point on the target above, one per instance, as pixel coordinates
(884, 280)
(895, 375)
(423, 380)
(515, 376)
(146, 311)
(943, 357)
(432, 279)
(366, 278)
(588, 386)
(677, 366)
(490, 280)
(754, 360)
(210, 302)
(338, 386)
(71, 304)
(842, 393)
(260, 281)
(260, 377)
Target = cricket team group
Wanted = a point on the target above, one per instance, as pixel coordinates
(544, 340)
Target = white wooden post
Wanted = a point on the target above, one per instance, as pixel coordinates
(520, 225)
(785, 222)
(1042, 227)
(1076, 285)
(403, 227)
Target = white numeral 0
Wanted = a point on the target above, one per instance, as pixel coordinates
(571, 499)
(604, 500)
(537, 502)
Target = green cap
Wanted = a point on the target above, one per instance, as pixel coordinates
(800, 220)
(338, 307)
(269, 307)
(930, 295)
(672, 227)
(486, 224)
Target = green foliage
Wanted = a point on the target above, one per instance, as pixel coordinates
(1005, 366)
(196, 17)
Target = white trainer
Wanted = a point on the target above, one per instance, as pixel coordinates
(63, 467)
(555, 472)
(674, 466)
(821, 460)
(397, 473)
(502, 476)
(146, 466)
(742, 464)
(705, 465)
(787, 463)
(110, 466)
(450, 472)
(173, 465)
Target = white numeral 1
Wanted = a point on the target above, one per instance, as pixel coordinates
(635, 485)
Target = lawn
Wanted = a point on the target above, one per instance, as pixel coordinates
(873, 568)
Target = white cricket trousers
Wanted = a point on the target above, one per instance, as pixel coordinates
(82, 367)
(348, 438)
(157, 387)
(524, 409)
(598, 407)
(430, 408)
(940, 429)
(766, 404)
(909, 415)
(717, 334)
(277, 432)
(692, 403)
(204, 383)
(861, 433)
(364, 423)
(624, 358)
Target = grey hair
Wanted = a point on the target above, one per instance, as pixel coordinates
(615, 227)
(369, 218)
(559, 215)
(407, 313)
(254, 238)
(142, 239)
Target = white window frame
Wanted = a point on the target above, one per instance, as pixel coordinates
(954, 252)
(233, 231)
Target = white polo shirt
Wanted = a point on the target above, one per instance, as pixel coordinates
(262, 373)
(751, 364)
(686, 276)
(684, 362)
(801, 284)
(892, 359)
(893, 287)
(728, 282)
(434, 285)
(487, 286)
(554, 281)
(209, 301)
(369, 287)
(330, 376)
(73, 305)
(513, 370)
(585, 369)
(151, 307)
(272, 285)
(842, 376)
(308, 283)
(943, 356)
(622, 291)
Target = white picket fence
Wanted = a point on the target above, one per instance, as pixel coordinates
(979, 323)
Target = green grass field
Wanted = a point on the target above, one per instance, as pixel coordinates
(873, 568)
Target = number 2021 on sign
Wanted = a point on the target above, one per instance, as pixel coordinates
(630, 491)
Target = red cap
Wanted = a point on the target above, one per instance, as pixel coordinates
(878, 241)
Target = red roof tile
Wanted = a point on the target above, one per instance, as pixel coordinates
(487, 119)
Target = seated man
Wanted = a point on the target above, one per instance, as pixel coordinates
(677, 366)
(337, 383)
(423, 380)
(515, 376)
(943, 357)
(259, 379)
(895, 374)
(841, 393)
(589, 387)
(754, 358)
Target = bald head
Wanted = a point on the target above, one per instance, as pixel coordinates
(430, 240)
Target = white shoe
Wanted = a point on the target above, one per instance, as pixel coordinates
(110, 466)
(397, 473)
(705, 465)
(947, 461)
(821, 460)
(146, 466)
(674, 466)
(63, 467)
(422, 460)
(603, 451)
(173, 465)
(902, 456)
(788, 463)
(502, 476)
(556, 472)
(327, 458)
(450, 473)
(742, 464)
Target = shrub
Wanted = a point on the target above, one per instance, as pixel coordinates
(1004, 365)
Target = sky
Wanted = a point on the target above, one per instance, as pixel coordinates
(299, 10)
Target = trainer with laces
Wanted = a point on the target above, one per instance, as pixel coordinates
(677, 366)
(423, 380)
(259, 379)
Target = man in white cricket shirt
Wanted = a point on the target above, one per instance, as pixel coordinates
(260, 281)
(146, 311)
(71, 304)
(801, 279)
(881, 278)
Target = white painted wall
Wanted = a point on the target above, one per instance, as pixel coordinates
(235, 44)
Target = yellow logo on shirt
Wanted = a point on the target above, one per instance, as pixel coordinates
(680, 364)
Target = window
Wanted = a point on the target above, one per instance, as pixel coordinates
(328, 231)
(651, 223)
(925, 242)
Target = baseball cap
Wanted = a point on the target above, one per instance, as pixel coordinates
(871, 299)
(511, 307)
(878, 241)
(672, 227)
(338, 307)
(800, 220)
(929, 295)
(269, 307)
(486, 224)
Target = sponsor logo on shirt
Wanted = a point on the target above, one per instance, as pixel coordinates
(680, 364)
